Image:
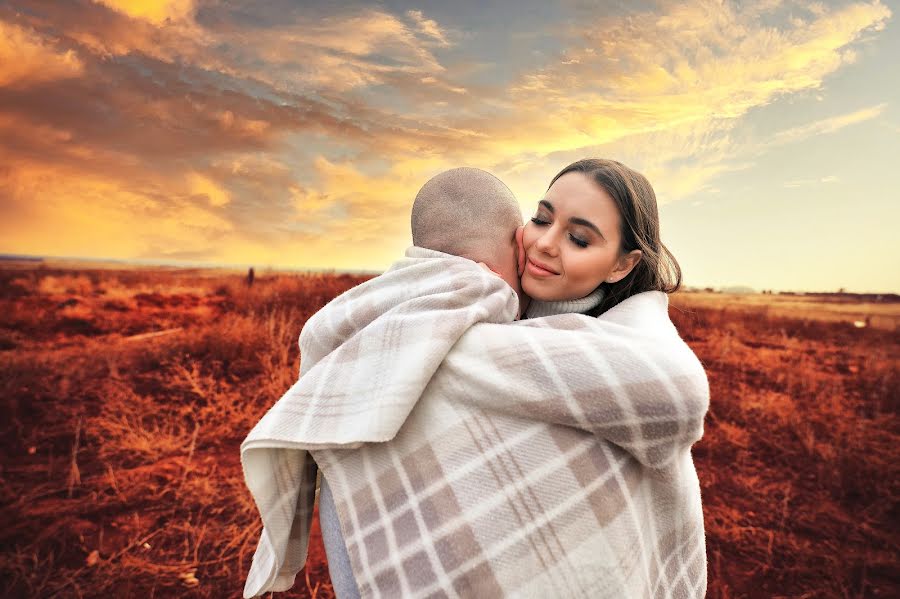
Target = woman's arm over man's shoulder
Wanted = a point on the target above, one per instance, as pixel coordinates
(628, 378)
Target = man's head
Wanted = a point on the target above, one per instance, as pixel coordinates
(469, 212)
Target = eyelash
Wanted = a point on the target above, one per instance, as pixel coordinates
(579, 242)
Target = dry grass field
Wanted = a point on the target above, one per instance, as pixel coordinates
(126, 394)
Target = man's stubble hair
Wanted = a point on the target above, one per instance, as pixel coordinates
(465, 212)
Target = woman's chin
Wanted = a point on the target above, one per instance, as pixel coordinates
(551, 291)
(541, 292)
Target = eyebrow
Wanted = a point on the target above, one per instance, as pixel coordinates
(574, 220)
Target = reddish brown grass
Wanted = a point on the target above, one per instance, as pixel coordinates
(128, 392)
(798, 463)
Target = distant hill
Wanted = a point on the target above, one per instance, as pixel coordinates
(737, 289)
(823, 296)
(78, 263)
(20, 258)
(858, 297)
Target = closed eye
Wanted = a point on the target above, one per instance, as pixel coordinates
(577, 241)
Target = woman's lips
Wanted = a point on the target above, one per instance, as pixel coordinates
(538, 271)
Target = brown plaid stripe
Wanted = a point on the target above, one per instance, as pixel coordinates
(525, 511)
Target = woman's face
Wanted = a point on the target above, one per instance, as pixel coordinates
(572, 242)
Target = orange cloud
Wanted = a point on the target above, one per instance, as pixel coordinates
(27, 59)
(327, 122)
(154, 11)
(214, 193)
(347, 50)
(54, 211)
(371, 205)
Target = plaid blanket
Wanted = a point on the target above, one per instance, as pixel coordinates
(542, 457)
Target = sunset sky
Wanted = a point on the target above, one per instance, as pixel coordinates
(291, 134)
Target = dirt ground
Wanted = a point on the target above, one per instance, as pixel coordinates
(127, 392)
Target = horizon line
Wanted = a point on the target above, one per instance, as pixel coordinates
(6, 256)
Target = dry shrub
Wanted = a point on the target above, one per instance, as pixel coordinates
(799, 455)
(122, 472)
(260, 344)
(304, 292)
(135, 429)
(66, 284)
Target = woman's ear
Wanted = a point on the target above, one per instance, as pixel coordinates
(624, 266)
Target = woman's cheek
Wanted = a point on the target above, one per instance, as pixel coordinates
(520, 251)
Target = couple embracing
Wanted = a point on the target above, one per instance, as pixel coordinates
(506, 411)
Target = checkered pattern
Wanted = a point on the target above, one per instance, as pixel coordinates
(546, 457)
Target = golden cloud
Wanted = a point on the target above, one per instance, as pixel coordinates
(154, 11)
(214, 193)
(698, 60)
(26, 58)
(695, 68)
(56, 211)
(829, 125)
(322, 52)
(428, 27)
(371, 204)
(339, 118)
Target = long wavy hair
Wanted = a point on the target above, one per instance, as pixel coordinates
(657, 270)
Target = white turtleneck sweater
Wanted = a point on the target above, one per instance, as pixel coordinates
(580, 305)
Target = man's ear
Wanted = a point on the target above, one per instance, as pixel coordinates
(625, 265)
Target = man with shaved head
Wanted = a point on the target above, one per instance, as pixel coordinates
(466, 213)
(470, 213)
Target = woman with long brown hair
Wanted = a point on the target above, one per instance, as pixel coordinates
(473, 455)
(594, 241)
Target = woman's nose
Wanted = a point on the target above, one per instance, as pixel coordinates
(546, 244)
